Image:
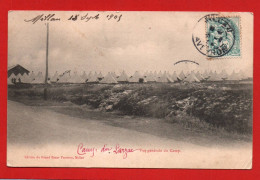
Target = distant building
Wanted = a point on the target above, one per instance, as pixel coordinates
(17, 69)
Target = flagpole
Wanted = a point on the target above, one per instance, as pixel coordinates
(47, 53)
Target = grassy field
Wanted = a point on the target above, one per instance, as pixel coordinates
(211, 107)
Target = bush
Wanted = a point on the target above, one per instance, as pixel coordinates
(198, 105)
(229, 109)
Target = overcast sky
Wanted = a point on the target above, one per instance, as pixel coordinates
(143, 41)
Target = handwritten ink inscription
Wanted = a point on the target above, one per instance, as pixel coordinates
(87, 151)
(81, 150)
(42, 17)
(75, 17)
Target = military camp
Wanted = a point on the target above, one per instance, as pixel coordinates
(20, 76)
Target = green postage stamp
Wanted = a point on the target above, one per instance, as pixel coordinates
(223, 36)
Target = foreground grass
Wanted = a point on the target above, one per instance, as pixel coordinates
(185, 129)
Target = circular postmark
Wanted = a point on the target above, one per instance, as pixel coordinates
(213, 35)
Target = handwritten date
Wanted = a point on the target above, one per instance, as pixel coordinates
(88, 17)
(75, 17)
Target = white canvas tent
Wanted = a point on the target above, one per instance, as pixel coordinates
(137, 77)
(39, 79)
(164, 78)
(146, 73)
(205, 74)
(89, 76)
(75, 78)
(223, 75)
(241, 75)
(123, 77)
(150, 77)
(155, 74)
(108, 79)
(182, 75)
(210, 74)
(54, 77)
(32, 76)
(191, 78)
(175, 77)
(25, 78)
(160, 74)
(199, 76)
(64, 78)
(114, 75)
(234, 76)
(214, 77)
(84, 75)
(93, 79)
(100, 75)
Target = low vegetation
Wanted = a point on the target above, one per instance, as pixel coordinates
(210, 106)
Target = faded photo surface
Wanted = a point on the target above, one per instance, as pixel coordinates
(130, 89)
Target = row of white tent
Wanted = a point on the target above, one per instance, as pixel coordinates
(112, 78)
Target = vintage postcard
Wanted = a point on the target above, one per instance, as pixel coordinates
(130, 89)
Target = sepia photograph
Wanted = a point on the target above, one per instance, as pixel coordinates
(130, 89)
